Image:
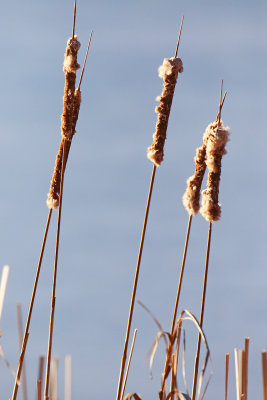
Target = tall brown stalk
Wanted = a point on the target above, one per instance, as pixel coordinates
(210, 206)
(53, 302)
(155, 154)
(26, 332)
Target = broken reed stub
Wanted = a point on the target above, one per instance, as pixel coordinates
(70, 67)
(54, 193)
(168, 71)
(191, 197)
(215, 149)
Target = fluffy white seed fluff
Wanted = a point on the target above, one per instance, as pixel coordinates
(51, 203)
(70, 59)
(169, 64)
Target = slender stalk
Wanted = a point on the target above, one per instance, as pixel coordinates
(3, 284)
(20, 332)
(26, 333)
(129, 363)
(164, 375)
(124, 355)
(53, 301)
(53, 382)
(246, 368)
(202, 312)
(39, 390)
(226, 375)
(74, 20)
(68, 377)
(237, 375)
(264, 374)
(41, 370)
(84, 63)
(179, 37)
(181, 274)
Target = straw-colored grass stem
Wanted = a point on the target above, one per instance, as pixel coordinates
(41, 370)
(26, 332)
(166, 367)
(53, 300)
(128, 364)
(20, 333)
(264, 373)
(202, 312)
(226, 375)
(179, 37)
(39, 390)
(245, 380)
(181, 274)
(124, 355)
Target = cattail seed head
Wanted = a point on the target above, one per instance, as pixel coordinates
(191, 197)
(54, 193)
(71, 108)
(168, 71)
(70, 67)
(70, 57)
(215, 149)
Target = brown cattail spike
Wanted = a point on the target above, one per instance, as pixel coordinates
(53, 195)
(191, 198)
(168, 71)
(192, 194)
(217, 139)
(70, 67)
(71, 107)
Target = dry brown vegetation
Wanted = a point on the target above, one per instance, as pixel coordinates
(208, 157)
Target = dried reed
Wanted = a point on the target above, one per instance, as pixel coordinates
(26, 331)
(172, 345)
(41, 371)
(70, 67)
(264, 373)
(241, 370)
(23, 376)
(216, 137)
(226, 375)
(71, 107)
(4, 278)
(68, 377)
(155, 153)
(128, 364)
(39, 390)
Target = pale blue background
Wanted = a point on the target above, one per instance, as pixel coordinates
(107, 178)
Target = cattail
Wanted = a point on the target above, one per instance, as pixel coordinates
(70, 67)
(71, 107)
(217, 137)
(168, 71)
(192, 193)
(53, 195)
(191, 198)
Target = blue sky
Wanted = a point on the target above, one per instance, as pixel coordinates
(107, 179)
